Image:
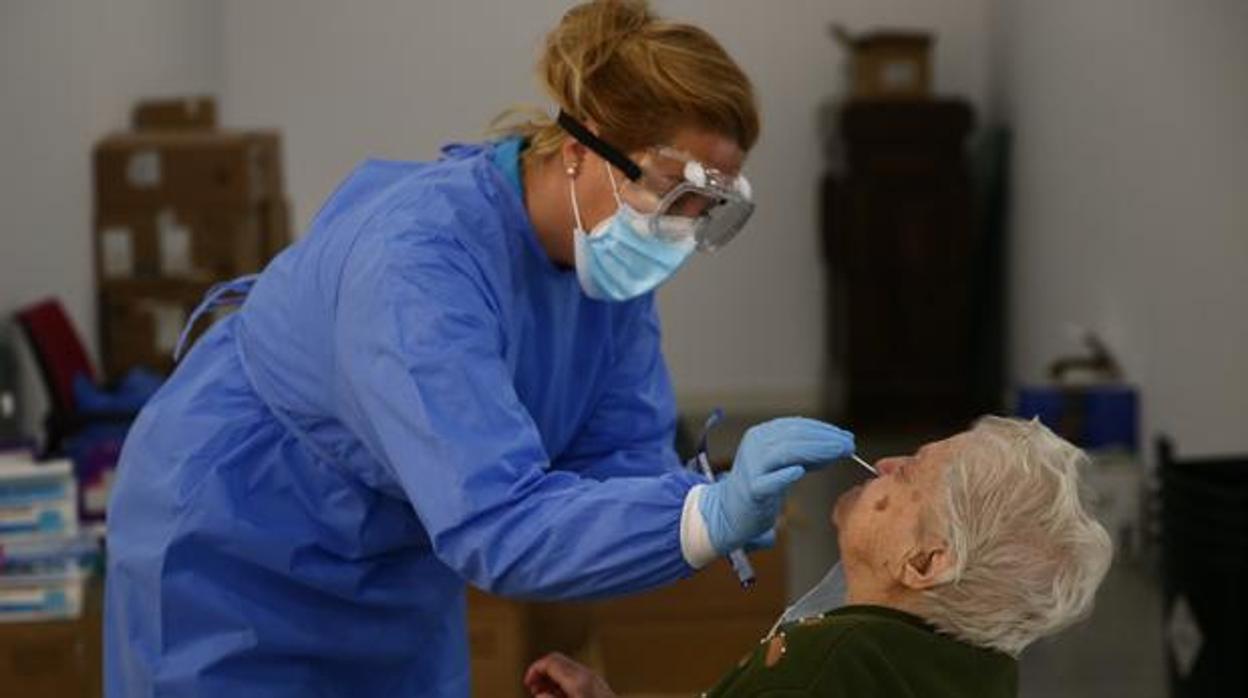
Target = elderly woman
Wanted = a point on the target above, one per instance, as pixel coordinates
(955, 559)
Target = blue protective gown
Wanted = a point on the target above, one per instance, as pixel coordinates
(412, 397)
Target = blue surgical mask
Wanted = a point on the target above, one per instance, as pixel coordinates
(620, 259)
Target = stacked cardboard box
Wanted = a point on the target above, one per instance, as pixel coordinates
(194, 113)
(499, 644)
(179, 206)
(889, 65)
(681, 639)
(62, 658)
(674, 641)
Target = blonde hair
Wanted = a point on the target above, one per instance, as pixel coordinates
(638, 78)
(1028, 557)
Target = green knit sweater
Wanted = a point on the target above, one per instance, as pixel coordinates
(865, 652)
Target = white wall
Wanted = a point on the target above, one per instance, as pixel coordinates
(1130, 214)
(69, 72)
(397, 78)
(1129, 168)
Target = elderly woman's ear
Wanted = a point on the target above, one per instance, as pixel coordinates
(926, 566)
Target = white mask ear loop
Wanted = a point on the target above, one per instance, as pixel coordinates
(615, 190)
(576, 210)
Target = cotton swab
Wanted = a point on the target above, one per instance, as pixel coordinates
(870, 468)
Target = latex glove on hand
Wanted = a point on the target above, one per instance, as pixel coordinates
(767, 541)
(743, 504)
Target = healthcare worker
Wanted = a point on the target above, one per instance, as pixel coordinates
(453, 378)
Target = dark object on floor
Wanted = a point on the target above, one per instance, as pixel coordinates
(59, 351)
(1204, 551)
(10, 403)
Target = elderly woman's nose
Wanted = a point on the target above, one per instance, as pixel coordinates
(886, 466)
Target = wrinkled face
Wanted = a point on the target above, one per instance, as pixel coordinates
(881, 522)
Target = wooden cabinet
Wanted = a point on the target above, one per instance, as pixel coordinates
(906, 259)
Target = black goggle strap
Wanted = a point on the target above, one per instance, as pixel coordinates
(604, 150)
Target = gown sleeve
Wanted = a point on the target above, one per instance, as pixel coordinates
(632, 429)
(421, 380)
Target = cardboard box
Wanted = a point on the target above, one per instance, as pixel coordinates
(270, 143)
(140, 322)
(181, 241)
(277, 231)
(181, 114)
(673, 657)
(677, 640)
(60, 658)
(710, 594)
(888, 64)
(683, 638)
(158, 168)
(498, 645)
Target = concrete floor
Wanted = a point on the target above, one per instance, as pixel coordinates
(1117, 651)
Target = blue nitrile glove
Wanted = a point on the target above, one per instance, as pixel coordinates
(767, 541)
(744, 503)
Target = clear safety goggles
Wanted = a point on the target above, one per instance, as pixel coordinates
(682, 198)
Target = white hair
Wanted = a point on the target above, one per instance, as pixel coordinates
(1027, 556)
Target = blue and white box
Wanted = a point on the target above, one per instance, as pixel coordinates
(44, 579)
(37, 500)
